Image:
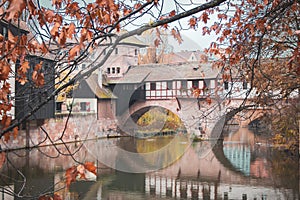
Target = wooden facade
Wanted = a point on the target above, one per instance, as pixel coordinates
(28, 96)
(179, 88)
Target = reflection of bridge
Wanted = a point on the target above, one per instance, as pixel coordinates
(211, 176)
(190, 90)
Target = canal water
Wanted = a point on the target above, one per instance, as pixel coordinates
(243, 166)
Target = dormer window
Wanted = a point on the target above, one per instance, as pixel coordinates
(118, 70)
(113, 71)
(108, 70)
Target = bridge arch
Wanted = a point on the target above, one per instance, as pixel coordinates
(195, 113)
(247, 115)
(128, 120)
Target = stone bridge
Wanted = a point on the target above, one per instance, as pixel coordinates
(197, 114)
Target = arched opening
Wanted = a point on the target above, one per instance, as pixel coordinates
(154, 121)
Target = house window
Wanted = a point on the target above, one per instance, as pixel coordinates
(245, 85)
(118, 70)
(136, 52)
(108, 70)
(5, 32)
(116, 51)
(212, 84)
(226, 86)
(83, 66)
(195, 84)
(183, 84)
(113, 71)
(169, 85)
(152, 86)
(83, 106)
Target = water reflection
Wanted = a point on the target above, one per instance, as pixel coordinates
(241, 167)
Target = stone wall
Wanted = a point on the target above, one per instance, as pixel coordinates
(62, 129)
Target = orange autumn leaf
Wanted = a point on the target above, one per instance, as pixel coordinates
(43, 48)
(7, 121)
(176, 35)
(126, 11)
(91, 167)
(38, 66)
(57, 3)
(70, 175)
(204, 17)
(38, 78)
(4, 71)
(172, 13)
(71, 30)
(55, 29)
(32, 8)
(15, 8)
(4, 117)
(89, 36)
(193, 22)
(22, 80)
(62, 38)
(74, 52)
(49, 16)
(5, 107)
(11, 37)
(24, 67)
(137, 6)
(196, 92)
(6, 87)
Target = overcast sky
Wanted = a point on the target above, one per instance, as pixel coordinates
(192, 40)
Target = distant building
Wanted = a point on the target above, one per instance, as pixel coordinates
(90, 98)
(164, 81)
(93, 94)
